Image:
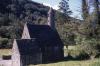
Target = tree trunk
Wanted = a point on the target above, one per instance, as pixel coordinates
(85, 12)
(96, 11)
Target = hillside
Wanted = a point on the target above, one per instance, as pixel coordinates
(14, 13)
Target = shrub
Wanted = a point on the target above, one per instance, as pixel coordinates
(90, 47)
(3, 42)
(82, 56)
(78, 54)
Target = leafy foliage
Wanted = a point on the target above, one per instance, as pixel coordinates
(89, 46)
(3, 42)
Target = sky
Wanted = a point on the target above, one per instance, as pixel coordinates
(75, 6)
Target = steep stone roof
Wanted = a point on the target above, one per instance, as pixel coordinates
(44, 34)
(41, 36)
(28, 46)
(36, 30)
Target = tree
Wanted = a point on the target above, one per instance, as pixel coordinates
(85, 12)
(3, 5)
(96, 11)
(64, 7)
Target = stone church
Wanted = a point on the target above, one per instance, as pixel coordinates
(39, 44)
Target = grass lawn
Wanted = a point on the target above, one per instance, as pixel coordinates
(72, 63)
(5, 52)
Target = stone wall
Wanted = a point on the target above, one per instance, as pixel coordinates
(31, 59)
(5, 62)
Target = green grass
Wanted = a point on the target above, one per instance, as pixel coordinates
(5, 52)
(95, 64)
(72, 63)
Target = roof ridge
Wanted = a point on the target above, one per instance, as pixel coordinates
(36, 24)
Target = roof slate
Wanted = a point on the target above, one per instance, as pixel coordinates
(28, 46)
(44, 34)
(41, 36)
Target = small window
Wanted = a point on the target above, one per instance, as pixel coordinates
(6, 57)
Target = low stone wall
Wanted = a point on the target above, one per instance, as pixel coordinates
(5, 62)
(1, 58)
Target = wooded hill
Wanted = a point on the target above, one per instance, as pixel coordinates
(14, 13)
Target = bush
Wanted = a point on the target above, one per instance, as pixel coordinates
(90, 47)
(3, 42)
(78, 55)
(82, 56)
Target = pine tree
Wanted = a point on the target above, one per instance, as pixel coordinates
(64, 7)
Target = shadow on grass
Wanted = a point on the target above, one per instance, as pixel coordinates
(68, 58)
(77, 58)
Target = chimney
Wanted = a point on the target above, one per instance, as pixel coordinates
(51, 18)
